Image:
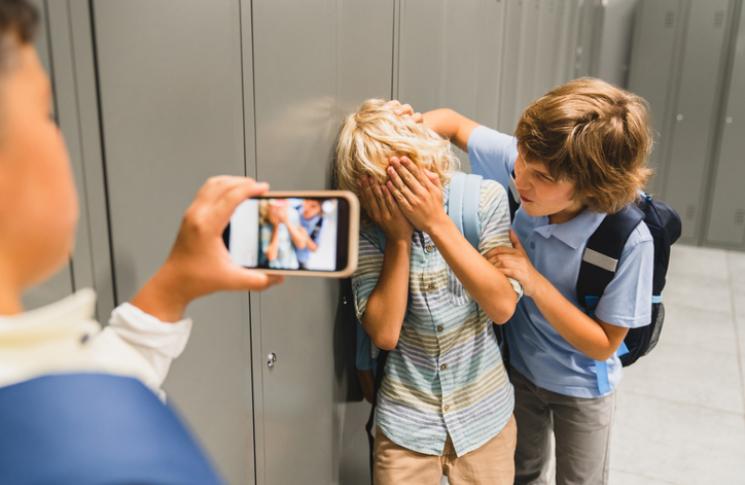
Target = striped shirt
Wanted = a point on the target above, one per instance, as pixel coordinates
(446, 375)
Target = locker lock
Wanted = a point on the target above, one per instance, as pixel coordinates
(271, 359)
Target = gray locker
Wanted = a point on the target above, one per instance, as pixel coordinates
(308, 70)
(727, 213)
(60, 284)
(655, 50)
(526, 67)
(695, 112)
(509, 108)
(456, 64)
(171, 90)
(65, 48)
(547, 48)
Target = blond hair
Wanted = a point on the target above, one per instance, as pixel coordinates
(593, 134)
(374, 133)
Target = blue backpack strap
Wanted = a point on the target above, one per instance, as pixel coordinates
(598, 267)
(463, 205)
(94, 429)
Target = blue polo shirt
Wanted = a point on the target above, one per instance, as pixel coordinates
(537, 351)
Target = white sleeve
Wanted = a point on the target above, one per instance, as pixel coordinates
(156, 341)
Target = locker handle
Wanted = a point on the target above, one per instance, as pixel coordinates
(271, 359)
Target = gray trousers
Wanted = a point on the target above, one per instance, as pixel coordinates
(581, 428)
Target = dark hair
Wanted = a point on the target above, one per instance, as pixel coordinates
(18, 17)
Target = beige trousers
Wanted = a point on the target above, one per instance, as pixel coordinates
(493, 463)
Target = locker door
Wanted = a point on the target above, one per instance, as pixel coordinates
(526, 69)
(727, 213)
(547, 49)
(172, 105)
(61, 284)
(696, 105)
(653, 73)
(461, 67)
(509, 107)
(308, 59)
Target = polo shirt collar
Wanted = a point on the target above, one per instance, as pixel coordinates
(575, 231)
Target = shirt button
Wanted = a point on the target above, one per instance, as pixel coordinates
(429, 248)
(443, 367)
(446, 408)
(431, 287)
(440, 328)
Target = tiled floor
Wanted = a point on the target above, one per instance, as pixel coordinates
(680, 416)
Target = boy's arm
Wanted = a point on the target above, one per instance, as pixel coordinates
(420, 199)
(595, 337)
(386, 306)
(451, 125)
(382, 312)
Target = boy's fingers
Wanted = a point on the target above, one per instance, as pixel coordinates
(235, 195)
(246, 279)
(400, 198)
(398, 187)
(418, 173)
(392, 206)
(380, 199)
(515, 240)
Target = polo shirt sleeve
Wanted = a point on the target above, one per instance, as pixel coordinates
(492, 154)
(365, 277)
(494, 214)
(627, 300)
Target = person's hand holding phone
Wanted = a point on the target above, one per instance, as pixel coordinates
(384, 211)
(199, 262)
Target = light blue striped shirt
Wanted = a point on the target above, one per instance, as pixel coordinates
(446, 375)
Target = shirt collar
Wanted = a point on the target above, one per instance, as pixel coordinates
(575, 231)
(69, 317)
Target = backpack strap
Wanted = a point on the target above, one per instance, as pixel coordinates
(598, 267)
(463, 205)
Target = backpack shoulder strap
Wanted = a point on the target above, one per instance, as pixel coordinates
(602, 252)
(463, 205)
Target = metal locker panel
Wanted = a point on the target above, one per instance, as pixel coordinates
(421, 46)
(616, 31)
(171, 101)
(61, 284)
(547, 49)
(509, 107)
(696, 104)
(567, 40)
(727, 212)
(526, 68)
(653, 73)
(465, 72)
(306, 69)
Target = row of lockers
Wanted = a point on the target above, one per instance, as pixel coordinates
(688, 61)
(154, 97)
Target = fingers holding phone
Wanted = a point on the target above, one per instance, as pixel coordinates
(199, 262)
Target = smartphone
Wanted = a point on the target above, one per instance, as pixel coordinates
(296, 233)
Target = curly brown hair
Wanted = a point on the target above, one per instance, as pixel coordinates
(593, 134)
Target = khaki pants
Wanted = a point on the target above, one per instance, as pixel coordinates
(493, 463)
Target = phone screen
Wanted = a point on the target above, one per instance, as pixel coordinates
(290, 233)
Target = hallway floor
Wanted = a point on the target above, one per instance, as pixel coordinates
(680, 416)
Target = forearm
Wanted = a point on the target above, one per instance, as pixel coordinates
(298, 235)
(272, 251)
(582, 332)
(386, 306)
(485, 283)
(451, 125)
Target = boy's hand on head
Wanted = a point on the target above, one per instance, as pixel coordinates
(515, 264)
(383, 210)
(199, 262)
(417, 193)
(406, 110)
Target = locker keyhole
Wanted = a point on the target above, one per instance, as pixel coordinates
(740, 216)
(669, 19)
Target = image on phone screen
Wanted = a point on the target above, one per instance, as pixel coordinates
(289, 233)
